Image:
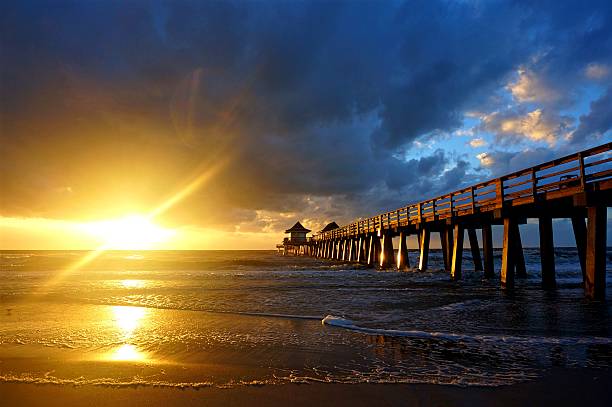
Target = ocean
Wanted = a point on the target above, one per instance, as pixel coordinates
(192, 319)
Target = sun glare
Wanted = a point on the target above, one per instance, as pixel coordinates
(127, 352)
(134, 232)
(128, 319)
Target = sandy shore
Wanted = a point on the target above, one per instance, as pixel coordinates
(559, 388)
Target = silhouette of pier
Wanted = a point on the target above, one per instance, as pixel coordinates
(578, 186)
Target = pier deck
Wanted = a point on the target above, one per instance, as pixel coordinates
(577, 186)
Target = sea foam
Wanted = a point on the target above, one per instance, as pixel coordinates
(339, 322)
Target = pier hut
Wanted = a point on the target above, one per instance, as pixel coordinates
(298, 242)
(329, 226)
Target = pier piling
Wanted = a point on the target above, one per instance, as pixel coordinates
(547, 252)
(402, 253)
(475, 249)
(457, 253)
(424, 245)
(595, 283)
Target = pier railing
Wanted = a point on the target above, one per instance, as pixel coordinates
(562, 177)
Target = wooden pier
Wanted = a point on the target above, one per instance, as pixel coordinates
(578, 187)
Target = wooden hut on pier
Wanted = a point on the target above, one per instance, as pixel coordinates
(298, 242)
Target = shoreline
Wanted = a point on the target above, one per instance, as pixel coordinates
(561, 387)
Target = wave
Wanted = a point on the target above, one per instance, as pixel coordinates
(136, 381)
(354, 377)
(416, 334)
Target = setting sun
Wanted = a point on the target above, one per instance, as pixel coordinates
(135, 232)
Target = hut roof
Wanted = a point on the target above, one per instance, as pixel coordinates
(297, 228)
(330, 226)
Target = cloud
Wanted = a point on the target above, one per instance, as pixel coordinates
(597, 123)
(531, 88)
(486, 159)
(536, 125)
(499, 162)
(597, 71)
(478, 142)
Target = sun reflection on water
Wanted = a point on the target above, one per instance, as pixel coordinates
(127, 352)
(132, 283)
(128, 320)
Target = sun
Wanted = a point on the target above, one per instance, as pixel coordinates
(133, 232)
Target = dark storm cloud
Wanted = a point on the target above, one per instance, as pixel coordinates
(594, 124)
(103, 101)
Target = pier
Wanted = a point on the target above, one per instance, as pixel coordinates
(577, 187)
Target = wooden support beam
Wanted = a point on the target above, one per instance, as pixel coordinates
(359, 253)
(377, 248)
(450, 241)
(580, 234)
(424, 245)
(508, 253)
(386, 253)
(457, 253)
(475, 249)
(362, 249)
(372, 250)
(345, 249)
(444, 246)
(547, 252)
(402, 253)
(595, 283)
(519, 263)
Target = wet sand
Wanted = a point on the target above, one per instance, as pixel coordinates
(559, 388)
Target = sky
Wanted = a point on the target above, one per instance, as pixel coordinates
(225, 122)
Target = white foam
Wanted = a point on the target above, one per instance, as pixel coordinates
(104, 381)
(337, 321)
(348, 324)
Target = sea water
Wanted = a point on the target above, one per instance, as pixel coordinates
(234, 318)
